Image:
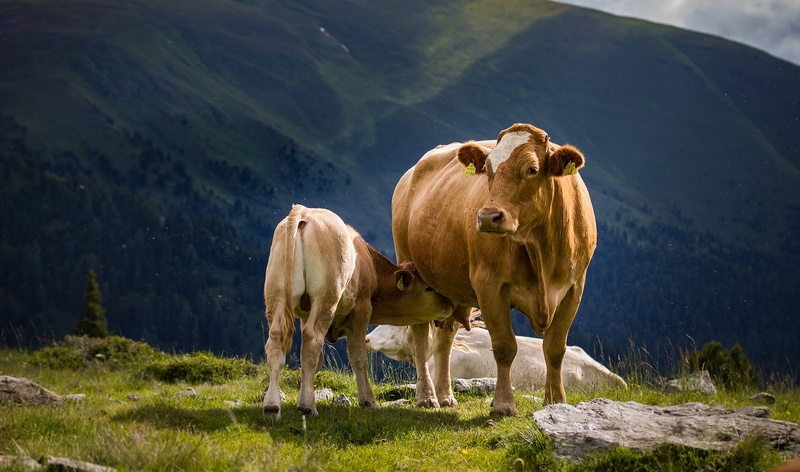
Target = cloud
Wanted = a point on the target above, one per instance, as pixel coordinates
(770, 25)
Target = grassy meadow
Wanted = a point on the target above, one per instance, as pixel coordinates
(133, 418)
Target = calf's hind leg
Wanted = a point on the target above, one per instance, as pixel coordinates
(276, 358)
(313, 339)
(357, 352)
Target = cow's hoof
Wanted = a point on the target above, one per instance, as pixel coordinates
(503, 410)
(428, 403)
(449, 402)
(271, 411)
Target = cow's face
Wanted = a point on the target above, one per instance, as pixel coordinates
(521, 169)
(415, 297)
(392, 341)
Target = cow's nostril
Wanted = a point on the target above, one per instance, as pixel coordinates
(493, 220)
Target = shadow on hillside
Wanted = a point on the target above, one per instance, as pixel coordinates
(336, 424)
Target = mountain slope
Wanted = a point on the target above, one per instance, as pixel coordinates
(228, 111)
(663, 140)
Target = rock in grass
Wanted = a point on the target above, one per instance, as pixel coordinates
(697, 382)
(63, 463)
(52, 463)
(763, 398)
(602, 424)
(189, 392)
(323, 395)
(22, 390)
(401, 401)
(478, 386)
(342, 400)
(75, 397)
(19, 463)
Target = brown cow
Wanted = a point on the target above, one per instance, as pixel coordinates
(520, 237)
(321, 271)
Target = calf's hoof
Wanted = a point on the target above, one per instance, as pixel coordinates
(271, 411)
(503, 410)
(449, 402)
(428, 403)
(307, 411)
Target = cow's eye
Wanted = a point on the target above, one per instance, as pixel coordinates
(532, 170)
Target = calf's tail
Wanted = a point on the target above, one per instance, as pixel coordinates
(293, 223)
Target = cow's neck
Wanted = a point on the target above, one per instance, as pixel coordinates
(550, 249)
(539, 306)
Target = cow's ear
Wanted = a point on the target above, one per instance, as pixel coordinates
(405, 279)
(563, 160)
(473, 158)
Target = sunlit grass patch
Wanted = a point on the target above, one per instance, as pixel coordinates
(76, 352)
(141, 423)
(197, 368)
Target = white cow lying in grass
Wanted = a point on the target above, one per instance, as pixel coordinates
(472, 357)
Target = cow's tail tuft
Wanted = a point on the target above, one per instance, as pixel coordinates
(287, 320)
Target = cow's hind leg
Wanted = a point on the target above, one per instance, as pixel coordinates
(442, 347)
(313, 340)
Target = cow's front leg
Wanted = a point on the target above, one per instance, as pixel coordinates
(313, 340)
(442, 347)
(554, 345)
(276, 358)
(504, 347)
(357, 352)
(426, 397)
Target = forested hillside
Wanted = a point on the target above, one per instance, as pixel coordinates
(160, 143)
(181, 282)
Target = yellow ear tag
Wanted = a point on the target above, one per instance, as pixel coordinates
(470, 169)
(400, 284)
(570, 169)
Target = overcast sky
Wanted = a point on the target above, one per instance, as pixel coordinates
(770, 25)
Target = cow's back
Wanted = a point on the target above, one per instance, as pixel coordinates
(433, 209)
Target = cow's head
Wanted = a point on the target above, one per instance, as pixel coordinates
(392, 341)
(411, 296)
(522, 170)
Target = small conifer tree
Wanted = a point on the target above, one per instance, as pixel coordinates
(732, 368)
(93, 323)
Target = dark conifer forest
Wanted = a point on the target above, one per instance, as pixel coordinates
(158, 145)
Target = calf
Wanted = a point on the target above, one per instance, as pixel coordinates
(321, 271)
(471, 357)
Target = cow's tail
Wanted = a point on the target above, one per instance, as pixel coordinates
(287, 320)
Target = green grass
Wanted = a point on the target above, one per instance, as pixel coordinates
(222, 428)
